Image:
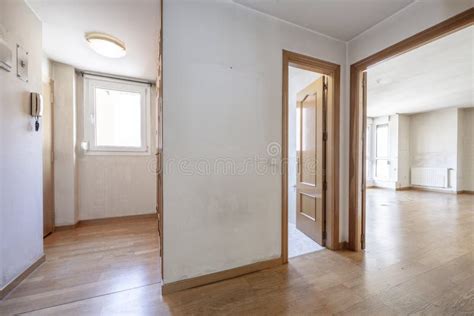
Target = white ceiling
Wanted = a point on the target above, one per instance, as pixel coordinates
(300, 79)
(136, 22)
(435, 76)
(340, 19)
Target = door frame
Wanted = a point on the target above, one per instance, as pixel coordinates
(50, 84)
(333, 71)
(159, 142)
(358, 116)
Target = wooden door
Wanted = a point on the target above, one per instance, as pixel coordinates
(48, 160)
(310, 182)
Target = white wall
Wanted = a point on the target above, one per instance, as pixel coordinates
(466, 149)
(115, 185)
(21, 196)
(222, 99)
(46, 69)
(433, 141)
(65, 169)
(403, 178)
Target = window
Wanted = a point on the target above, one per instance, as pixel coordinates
(116, 115)
(368, 151)
(381, 152)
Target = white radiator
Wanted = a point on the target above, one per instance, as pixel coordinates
(430, 177)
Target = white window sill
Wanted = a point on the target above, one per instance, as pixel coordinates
(117, 153)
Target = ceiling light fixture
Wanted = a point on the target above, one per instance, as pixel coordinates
(106, 45)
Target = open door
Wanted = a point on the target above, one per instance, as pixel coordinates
(48, 160)
(310, 182)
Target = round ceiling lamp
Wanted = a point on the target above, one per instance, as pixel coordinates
(106, 45)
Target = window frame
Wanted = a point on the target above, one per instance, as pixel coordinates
(91, 82)
(369, 158)
(378, 158)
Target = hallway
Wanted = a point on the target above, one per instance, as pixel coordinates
(92, 260)
(419, 258)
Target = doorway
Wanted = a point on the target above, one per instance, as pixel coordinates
(310, 152)
(307, 104)
(385, 166)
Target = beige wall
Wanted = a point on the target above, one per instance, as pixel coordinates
(466, 149)
(21, 196)
(65, 169)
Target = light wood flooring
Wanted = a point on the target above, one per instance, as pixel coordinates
(419, 260)
(90, 261)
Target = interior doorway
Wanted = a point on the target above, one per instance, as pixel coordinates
(418, 141)
(306, 110)
(310, 155)
(419, 145)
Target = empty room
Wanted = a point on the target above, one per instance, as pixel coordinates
(236, 157)
(419, 159)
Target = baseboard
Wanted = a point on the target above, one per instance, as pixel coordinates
(88, 222)
(106, 220)
(433, 190)
(380, 188)
(13, 283)
(219, 276)
(343, 246)
(403, 189)
(65, 227)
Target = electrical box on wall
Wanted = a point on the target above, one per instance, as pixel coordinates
(22, 63)
(5, 53)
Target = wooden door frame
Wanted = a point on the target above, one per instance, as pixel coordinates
(333, 71)
(159, 138)
(50, 83)
(357, 113)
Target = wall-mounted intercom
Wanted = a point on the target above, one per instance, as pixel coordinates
(36, 108)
